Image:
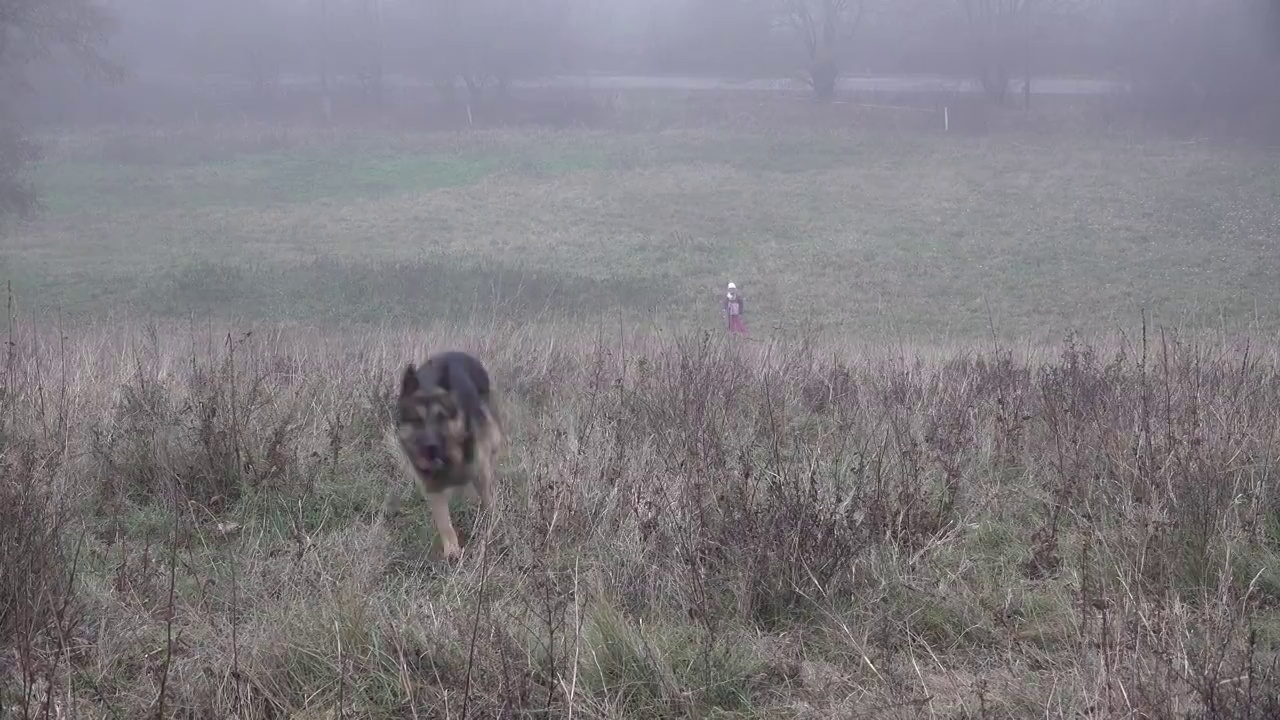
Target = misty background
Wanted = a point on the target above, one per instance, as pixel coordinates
(1188, 63)
(100, 96)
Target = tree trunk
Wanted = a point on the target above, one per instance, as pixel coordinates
(324, 46)
(447, 90)
(379, 52)
(823, 75)
(475, 88)
(1026, 87)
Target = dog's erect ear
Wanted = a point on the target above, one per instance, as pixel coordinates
(409, 383)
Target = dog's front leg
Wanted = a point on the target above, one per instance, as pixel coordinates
(485, 478)
(483, 483)
(444, 526)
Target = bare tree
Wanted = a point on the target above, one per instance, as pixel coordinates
(824, 26)
(492, 42)
(1002, 38)
(33, 30)
(371, 69)
(1201, 59)
(17, 196)
(351, 41)
(41, 30)
(998, 33)
(712, 36)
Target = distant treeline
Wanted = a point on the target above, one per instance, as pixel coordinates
(1206, 50)
(1217, 56)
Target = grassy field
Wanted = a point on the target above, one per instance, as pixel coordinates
(868, 234)
(875, 509)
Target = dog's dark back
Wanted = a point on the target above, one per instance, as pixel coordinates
(464, 376)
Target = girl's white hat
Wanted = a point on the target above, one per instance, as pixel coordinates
(732, 286)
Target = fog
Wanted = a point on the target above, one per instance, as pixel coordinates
(1184, 56)
(1193, 65)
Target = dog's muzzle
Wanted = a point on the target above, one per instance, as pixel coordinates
(428, 459)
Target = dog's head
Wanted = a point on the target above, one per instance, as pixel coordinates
(429, 424)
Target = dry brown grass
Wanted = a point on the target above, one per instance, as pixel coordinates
(690, 527)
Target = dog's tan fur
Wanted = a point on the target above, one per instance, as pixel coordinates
(448, 421)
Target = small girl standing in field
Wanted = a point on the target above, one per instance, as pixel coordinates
(734, 306)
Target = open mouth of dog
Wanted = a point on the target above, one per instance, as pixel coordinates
(426, 463)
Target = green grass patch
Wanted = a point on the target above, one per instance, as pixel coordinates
(870, 233)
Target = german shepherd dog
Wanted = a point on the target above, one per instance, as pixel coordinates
(449, 432)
